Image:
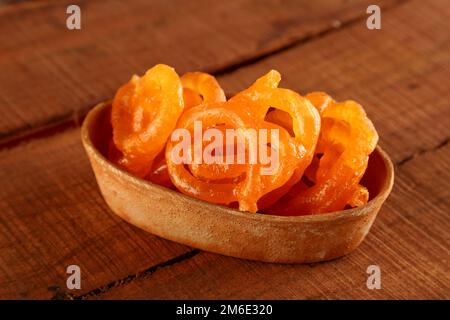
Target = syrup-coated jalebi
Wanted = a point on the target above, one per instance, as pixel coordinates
(226, 183)
(304, 119)
(136, 104)
(321, 146)
(244, 183)
(346, 139)
(199, 87)
(144, 113)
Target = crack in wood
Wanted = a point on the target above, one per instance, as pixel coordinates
(186, 256)
(298, 42)
(422, 152)
(140, 275)
(69, 120)
(74, 119)
(52, 128)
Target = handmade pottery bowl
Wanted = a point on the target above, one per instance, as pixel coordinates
(177, 217)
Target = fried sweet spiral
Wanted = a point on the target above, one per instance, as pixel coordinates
(144, 113)
(221, 182)
(346, 139)
(321, 146)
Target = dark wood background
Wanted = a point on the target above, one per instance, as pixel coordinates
(52, 214)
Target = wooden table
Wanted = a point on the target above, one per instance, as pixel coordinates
(52, 214)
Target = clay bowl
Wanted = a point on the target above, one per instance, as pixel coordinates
(174, 216)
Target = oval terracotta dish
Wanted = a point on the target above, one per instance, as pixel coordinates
(174, 216)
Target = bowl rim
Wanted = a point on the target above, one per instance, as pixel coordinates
(365, 209)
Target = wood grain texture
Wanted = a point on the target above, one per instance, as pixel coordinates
(52, 216)
(51, 213)
(409, 241)
(50, 74)
(399, 73)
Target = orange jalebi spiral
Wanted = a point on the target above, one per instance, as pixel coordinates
(304, 119)
(144, 113)
(347, 138)
(200, 87)
(322, 146)
(225, 183)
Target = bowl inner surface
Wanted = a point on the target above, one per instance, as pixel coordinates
(377, 178)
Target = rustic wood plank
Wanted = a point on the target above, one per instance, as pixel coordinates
(50, 73)
(403, 90)
(52, 216)
(29, 210)
(409, 241)
(57, 216)
(399, 73)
